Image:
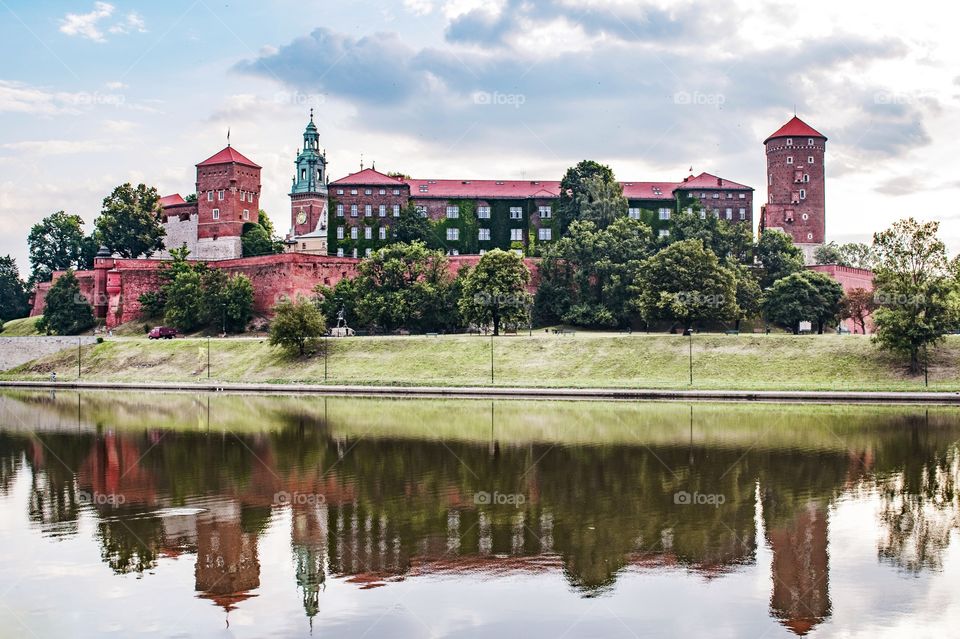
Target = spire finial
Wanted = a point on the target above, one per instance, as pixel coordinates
(361, 161)
(228, 136)
(311, 114)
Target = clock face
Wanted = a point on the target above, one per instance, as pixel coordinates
(301, 218)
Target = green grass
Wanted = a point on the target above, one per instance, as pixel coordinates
(21, 327)
(749, 362)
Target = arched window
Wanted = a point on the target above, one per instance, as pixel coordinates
(303, 174)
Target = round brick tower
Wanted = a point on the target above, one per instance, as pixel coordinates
(795, 185)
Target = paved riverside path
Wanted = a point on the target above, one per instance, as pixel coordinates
(20, 350)
(506, 392)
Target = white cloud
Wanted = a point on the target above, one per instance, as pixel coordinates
(59, 147)
(419, 7)
(85, 25)
(133, 22)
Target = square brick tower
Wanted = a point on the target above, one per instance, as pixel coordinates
(795, 185)
(308, 196)
(228, 195)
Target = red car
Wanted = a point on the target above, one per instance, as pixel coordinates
(162, 332)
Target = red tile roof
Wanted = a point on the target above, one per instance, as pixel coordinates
(171, 200)
(368, 177)
(710, 181)
(227, 156)
(795, 128)
(648, 190)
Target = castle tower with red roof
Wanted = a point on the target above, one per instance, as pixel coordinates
(795, 185)
(228, 196)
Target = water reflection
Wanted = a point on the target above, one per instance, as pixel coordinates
(379, 491)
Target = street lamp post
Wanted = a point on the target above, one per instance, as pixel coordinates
(208, 357)
(690, 350)
(79, 356)
(491, 359)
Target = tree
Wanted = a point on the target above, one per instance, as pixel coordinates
(748, 293)
(227, 302)
(686, 283)
(803, 296)
(726, 240)
(858, 304)
(494, 291)
(399, 286)
(66, 310)
(184, 307)
(913, 289)
(573, 185)
(56, 244)
(296, 325)
(778, 256)
(413, 227)
(858, 255)
(13, 292)
(129, 224)
(601, 200)
(255, 241)
(587, 275)
(828, 253)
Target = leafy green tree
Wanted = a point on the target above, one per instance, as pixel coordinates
(778, 256)
(913, 288)
(66, 310)
(803, 296)
(686, 283)
(184, 307)
(828, 253)
(399, 286)
(586, 276)
(260, 238)
(748, 293)
(13, 292)
(227, 301)
(858, 255)
(413, 227)
(190, 198)
(858, 304)
(726, 240)
(573, 185)
(494, 291)
(129, 224)
(56, 243)
(601, 201)
(296, 325)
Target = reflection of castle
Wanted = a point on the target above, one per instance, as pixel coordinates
(228, 567)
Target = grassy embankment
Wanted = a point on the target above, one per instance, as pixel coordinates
(825, 362)
(25, 327)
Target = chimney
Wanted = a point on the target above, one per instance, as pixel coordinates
(719, 181)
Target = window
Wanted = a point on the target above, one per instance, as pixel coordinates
(518, 252)
(516, 213)
(246, 214)
(664, 214)
(545, 234)
(368, 191)
(367, 210)
(382, 233)
(743, 196)
(339, 252)
(545, 212)
(382, 211)
(806, 177)
(809, 141)
(789, 141)
(664, 233)
(339, 232)
(396, 191)
(770, 179)
(516, 235)
(209, 196)
(367, 252)
(353, 191)
(243, 196)
(303, 174)
(809, 159)
(216, 214)
(453, 212)
(703, 214)
(422, 210)
(423, 188)
(688, 210)
(353, 232)
(339, 191)
(805, 217)
(453, 252)
(453, 234)
(220, 194)
(633, 213)
(250, 197)
(809, 236)
(353, 210)
(803, 194)
(383, 191)
(716, 195)
(729, 213)
(743, 214)
(396, 210)
(789, 159)
(483, 235)
(716, 213)
(368, 233)
(729, 196)
(353, 253)
(339, 210)
(483, 212)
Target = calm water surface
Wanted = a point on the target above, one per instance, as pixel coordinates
(188, 515)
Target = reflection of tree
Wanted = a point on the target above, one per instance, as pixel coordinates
(919, 509)
(12, 451)
(130, 543)
(54, 494)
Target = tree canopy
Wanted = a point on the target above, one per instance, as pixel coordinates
(66, 310)
(56, 243)
(129, 224)
(13, 291)
(296, 325)
(494, 291)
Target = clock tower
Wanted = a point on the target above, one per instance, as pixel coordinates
(308, 196)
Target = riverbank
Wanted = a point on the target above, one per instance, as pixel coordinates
(542, 361)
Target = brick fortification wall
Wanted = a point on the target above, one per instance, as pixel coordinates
(849, 278)
(275, 277)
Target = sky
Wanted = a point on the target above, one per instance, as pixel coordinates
(94, 94)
